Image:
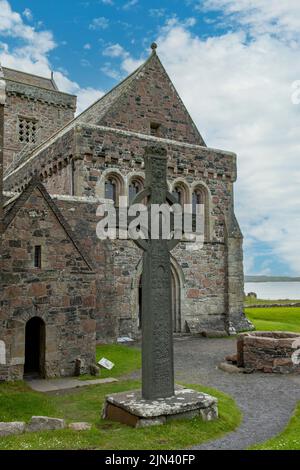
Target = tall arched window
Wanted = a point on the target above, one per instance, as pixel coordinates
(114, 187)
(197, 199)
(111, 189)
(181, 193)
(135, 186)
(177, 193)
(200, 205)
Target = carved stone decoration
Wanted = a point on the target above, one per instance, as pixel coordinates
(157, 329)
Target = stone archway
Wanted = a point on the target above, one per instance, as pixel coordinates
(35, 338)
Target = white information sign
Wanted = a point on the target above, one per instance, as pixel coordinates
(106, 363)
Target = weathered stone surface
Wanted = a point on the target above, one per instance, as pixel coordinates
(10, 428)
(46, 292)
(209, 414)
(44, 423)
(157, 331)
(268, 351)
(184, 400)
(232, 369)
(80, 426)
(95, 370)
(145, 423)
(231, 358)
(131, 409)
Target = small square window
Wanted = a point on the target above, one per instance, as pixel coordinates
(154, 128)
(27, 130)
(38, 256)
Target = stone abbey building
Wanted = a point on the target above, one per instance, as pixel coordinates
(62, 288)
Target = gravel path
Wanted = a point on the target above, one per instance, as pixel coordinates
(266, 400)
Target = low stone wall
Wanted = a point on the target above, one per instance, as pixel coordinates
(269, 351)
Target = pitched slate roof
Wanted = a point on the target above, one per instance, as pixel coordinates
(97, 110)
(12, 207)
(29, 79)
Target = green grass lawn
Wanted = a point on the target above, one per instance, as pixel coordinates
(126, 359)
(19, 402)
(289, 439)
(275, 318)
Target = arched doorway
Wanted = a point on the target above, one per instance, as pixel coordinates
(35, 348)
(176, 301)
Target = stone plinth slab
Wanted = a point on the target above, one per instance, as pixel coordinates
(131, 409)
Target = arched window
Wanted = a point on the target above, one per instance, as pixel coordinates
(181, 193)
(135, 186)
(114, 187)
(177, 193)
(200, 205)
(111, 189)
(197, 199)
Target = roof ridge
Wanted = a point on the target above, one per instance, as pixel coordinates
(132, 75)
(27, 73)
(118, 85)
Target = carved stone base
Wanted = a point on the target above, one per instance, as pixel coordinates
(131, 409)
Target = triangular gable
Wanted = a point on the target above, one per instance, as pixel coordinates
(13, 207)
(120, 104)
(147, 95)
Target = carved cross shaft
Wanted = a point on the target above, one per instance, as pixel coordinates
(157, 328)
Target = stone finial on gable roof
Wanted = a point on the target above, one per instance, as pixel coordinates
(2, 87)
(154, 47)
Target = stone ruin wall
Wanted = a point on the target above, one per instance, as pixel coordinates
(47, 293)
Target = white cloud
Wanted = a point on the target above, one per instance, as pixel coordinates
(87, 47)
(130, 4)
(107, 2)
(157, 12)
(85, 63)
(239, 94)
(32, 55)
(99, 23)
(128, 63)
(115, 50)
(110, 71)
(261, 16)
(28, 14)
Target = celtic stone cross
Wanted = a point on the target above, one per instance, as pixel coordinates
(157, 328)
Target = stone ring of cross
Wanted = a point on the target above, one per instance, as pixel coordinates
(143, 243)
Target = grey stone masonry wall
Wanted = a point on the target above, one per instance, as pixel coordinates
(61, 293)
(48, 109)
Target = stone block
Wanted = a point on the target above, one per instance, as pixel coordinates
(209, 414)
(145, 423)
(80, 426)
(8, 429)
(187, 415)
(44, 423)
(94, 370)
(230, 368)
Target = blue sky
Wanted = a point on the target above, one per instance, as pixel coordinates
(83, 29)
(233, 62)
